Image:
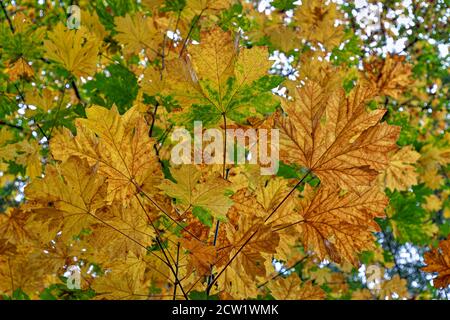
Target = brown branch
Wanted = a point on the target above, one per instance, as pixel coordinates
(153, 120)
(158, 241)
(77, 92)
(176, 272)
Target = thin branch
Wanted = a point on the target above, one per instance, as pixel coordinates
(11, 27)
(153, 120)
(77, 92)
(194, 23)
(211, 276)
(176, 272)
(158, 241)
(15, 126)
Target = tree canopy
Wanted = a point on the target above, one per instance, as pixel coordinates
(93, 206)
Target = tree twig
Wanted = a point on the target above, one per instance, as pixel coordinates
(11, 26)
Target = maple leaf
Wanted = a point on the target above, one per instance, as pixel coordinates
(291, 288)
(316, 20)
(438, 260)
(400, 174)
(121, 286)
(14, 227)
(391, 76)
(334, 136)
(220, 79)
(191, 192)
(396, 285)
(202, 256)
(19, 272)
(339, 226)
(70, 194)
(131, 221)
(20, 69)
(251, 238)
(26, 153)
(136, 33)
(120, 146)
(44, 101)
(76, 51)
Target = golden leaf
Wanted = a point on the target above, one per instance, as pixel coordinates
(136, 33)
(340, 227)
(317, 22)
(119, 144)
(13, 226)
(252, 238)
(334, 136)
(26, 153)
(432, 203)
(70, 193)
(394, 287)
(20, 69)
(190, 192)
(400, 173)
(201, 256)
(291, 288)
(75, 50)
(121, 286)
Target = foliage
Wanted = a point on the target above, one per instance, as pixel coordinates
(359, 208)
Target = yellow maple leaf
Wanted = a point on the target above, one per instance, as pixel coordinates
(400, 173)
(121, 286)
(26, 153)
(71, 193)
(395, 287)
(291, 288)
(201, 255)
(215, 73)
(433, 203)
(75, 50)
(137, 32)
(44, 101)
(119, 144)
(191, 192)
(317, 19)
(14, 227)
(251, 238)
(20, 69)
(432, 178)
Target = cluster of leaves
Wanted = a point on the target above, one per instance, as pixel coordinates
(86, 176)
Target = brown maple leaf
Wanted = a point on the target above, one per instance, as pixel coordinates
(391, 76)
(335, 136)
(438, 260)
(339, 226)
